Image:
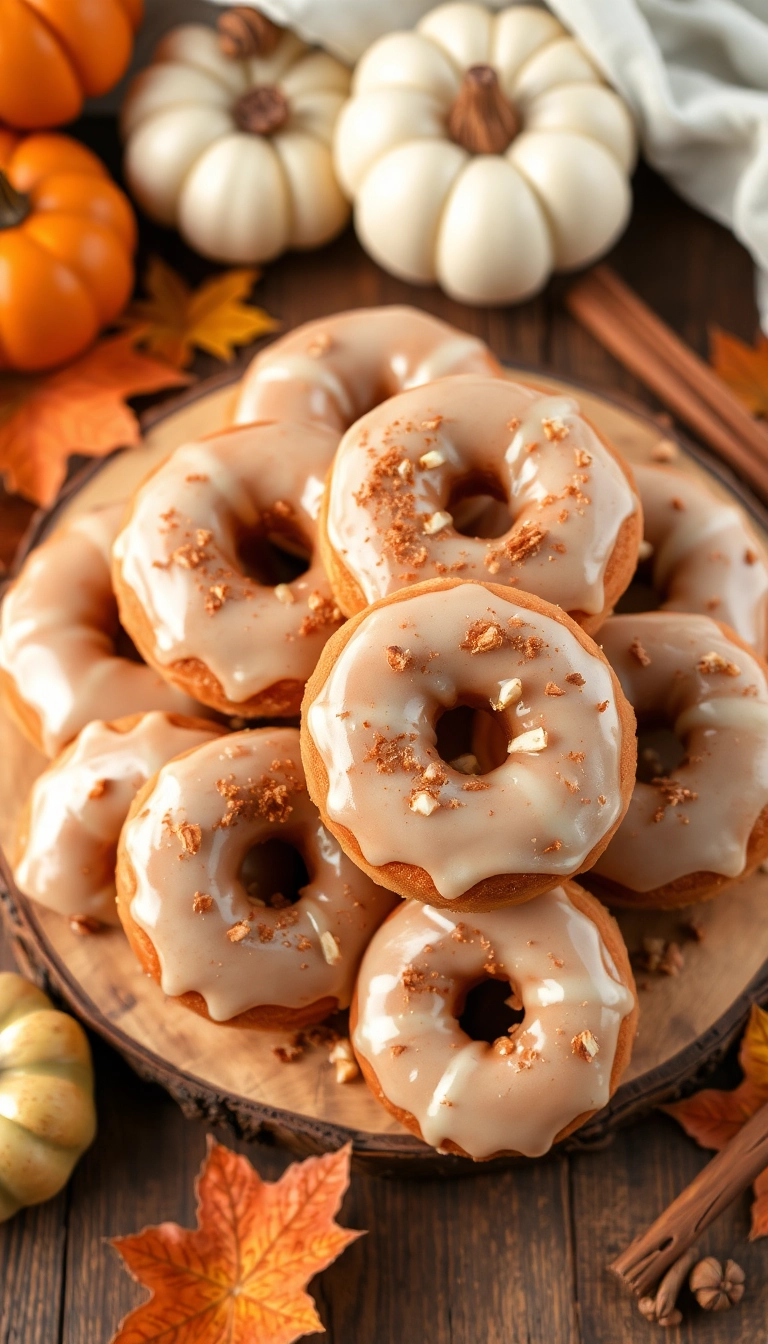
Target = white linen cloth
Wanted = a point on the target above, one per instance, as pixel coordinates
(694, 72)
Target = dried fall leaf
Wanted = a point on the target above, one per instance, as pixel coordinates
(753, 1052)
(79, 409)
(712, 1117)
(743, 367)
(240, 1277)
(759, 1227)
(175, 318)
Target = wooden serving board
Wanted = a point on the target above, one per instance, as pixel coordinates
(231, 1075)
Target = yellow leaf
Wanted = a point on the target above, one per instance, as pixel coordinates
(743, 367)
(175, 318)
(241, 1275)
(78, 409)
(753, 1053)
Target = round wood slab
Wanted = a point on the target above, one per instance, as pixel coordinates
(225, 1074)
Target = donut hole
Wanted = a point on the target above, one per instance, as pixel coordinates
(471, 739)
(659, 751)
(480, 507)
(487, 1012)
(641, 594)
(271, 558)
(274, 874)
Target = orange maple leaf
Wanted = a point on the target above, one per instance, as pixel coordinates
(743, 367)
(712, 1117)
(78, 409)
(239, 1278)
(175, 318)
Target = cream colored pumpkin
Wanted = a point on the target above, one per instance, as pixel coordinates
(47, 1115)
(236, 194)
(483, 151)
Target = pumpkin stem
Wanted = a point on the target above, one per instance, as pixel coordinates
(14, 205)
(261, 111)
(482, 119)
(244, 32)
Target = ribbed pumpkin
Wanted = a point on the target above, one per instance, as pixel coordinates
(67, 237)
(47, 1115)
(56, 53)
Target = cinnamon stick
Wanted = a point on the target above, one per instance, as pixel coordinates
(608, 321)
(683, 359)
(644, 1262)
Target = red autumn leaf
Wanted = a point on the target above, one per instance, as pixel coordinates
(240, 1277)
(80, 409)
(712, 1117)
(743, 367)
(759, 1226)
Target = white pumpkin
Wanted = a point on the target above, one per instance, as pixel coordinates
(483, 151)
(236, 153)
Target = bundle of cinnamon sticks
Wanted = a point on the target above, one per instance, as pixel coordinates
(682, 381)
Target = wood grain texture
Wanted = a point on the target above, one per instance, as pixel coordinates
(517, 1257)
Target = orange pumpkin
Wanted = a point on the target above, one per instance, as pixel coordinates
(67, 238)
(55, 53)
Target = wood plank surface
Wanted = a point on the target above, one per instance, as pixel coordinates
(512, 1258)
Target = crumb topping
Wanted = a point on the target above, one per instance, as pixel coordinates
(575, 679)
(552, 688)
(483, 637)
(524, 543)
(638, 653)
(673, 794)
(712, 664)
(555, 430)
(202, 903)
(584, 1046)
(400, 660)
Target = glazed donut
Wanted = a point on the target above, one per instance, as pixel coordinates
(699, 822)
(66, 846)
(573, 524)
(337, 368)
(706, 556)
(240, 645)
(59, 634)
(203, 917)
(565, 961)
(421, 825)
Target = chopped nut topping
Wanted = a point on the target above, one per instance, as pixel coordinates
(638, 652)
(664, 451)
(510, 691)
(285, 594)
(554, 848)
(575, 679)
(584, 1046)
(98, 789)
(424, 804)
(342, 1055)
(436, 522)
(190, 835)
(323, 612)
(475, 786)
(555, 430)
(331, 948)
(712, 663)
(392, 754)
(602, 706)
(399, 659)
(216, 597)
(552, 688)
(524, 543)
(483, 637)
(533, 740)
(582, 457)
(201, 903)
(577, 756)
(239, 931)
(83, 925)
(504, 1046)
(644, 551)
(673, 793)
(429, 461)
(397, 1050)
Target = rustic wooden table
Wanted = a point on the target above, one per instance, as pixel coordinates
(514, 1257)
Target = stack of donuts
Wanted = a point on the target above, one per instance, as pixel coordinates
(339, 708)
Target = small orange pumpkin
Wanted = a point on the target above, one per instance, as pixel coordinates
(67, 238)
(56, 53)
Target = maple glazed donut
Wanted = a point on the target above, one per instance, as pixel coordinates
(573, 526)
(437, 829)
(705, 556)
(697, 821)
(337, 368)
(59, 639)
(240, 644)
(200, 909)
(564, 960)
(66, 847)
